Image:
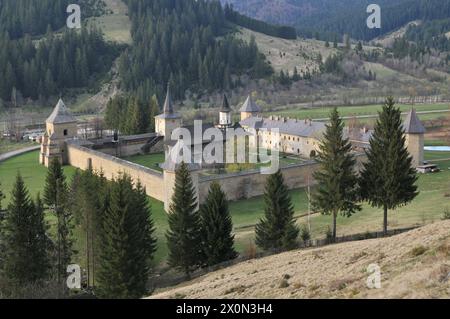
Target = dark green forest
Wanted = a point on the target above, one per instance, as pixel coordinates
(189, 43)
(327, 19)
(352, 20)
(259, 26)
(431, 34)
(57, 62)
(20, 17)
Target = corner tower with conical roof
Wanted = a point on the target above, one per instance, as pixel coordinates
(415, 137)
(60, 127)
(249, 109)
(167, 122)
(225, 114)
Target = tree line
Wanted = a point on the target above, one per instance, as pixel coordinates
(72, 60)
(21, 17)
(284, 32)
(189, 43)
(130, 115)
(350, 17)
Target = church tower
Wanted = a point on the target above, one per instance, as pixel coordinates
(249, 109)
(225, 115)
(60, 126)
(167, 122)
(414, 134)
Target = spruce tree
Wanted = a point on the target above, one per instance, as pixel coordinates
(183, 236)
(25, 258)
(141, 240)
(127, 242)
(337, 190)
(64, 240)
(55, 173)
(216, 228)
(388, 179)
(277, 230)
(56, 197)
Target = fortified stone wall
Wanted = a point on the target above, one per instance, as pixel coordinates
(84, 158)
(251, 184)
(237, 186)
(245, 185)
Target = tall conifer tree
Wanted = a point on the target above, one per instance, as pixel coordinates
(56, 197)
(216, 228)
(388, 179)
(127, 242)
(25, 258)
(337, 190)
(277, 230)
(55, 173)
(183, 237)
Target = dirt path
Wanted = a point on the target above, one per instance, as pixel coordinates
(4, 157)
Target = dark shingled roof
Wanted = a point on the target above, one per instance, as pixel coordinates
(305, 128)
(225, 105)
(168, 107)
(250, 106)
(412, 124)
(61, 114)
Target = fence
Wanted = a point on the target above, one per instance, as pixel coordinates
(168, 277)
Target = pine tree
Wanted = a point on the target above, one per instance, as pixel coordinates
(141, 240)
(88, 207)
(295, 76)
(277, 230)
(359, 47)
(64, 242)
(25, 258)
(183, 237)
(55, 173)
(127, 242)
(388, 179)
(337, 190)
(216, 228)
(56, 197)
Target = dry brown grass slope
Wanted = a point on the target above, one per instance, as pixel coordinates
(413, 265)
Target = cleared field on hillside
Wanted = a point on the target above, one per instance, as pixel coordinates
(287, 54)
(116, 24)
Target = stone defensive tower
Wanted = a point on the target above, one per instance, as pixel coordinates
(167, 122)
(225, 120)
(249, 109)
(414, 134)
(60, 126)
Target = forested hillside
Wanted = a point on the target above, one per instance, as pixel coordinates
(259, 26)
(19, 17)
(189, 43)
(36, 63)
(58, 62)
(327, 18)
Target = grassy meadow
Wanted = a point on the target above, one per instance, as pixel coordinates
(363, 110)
(429, 205)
